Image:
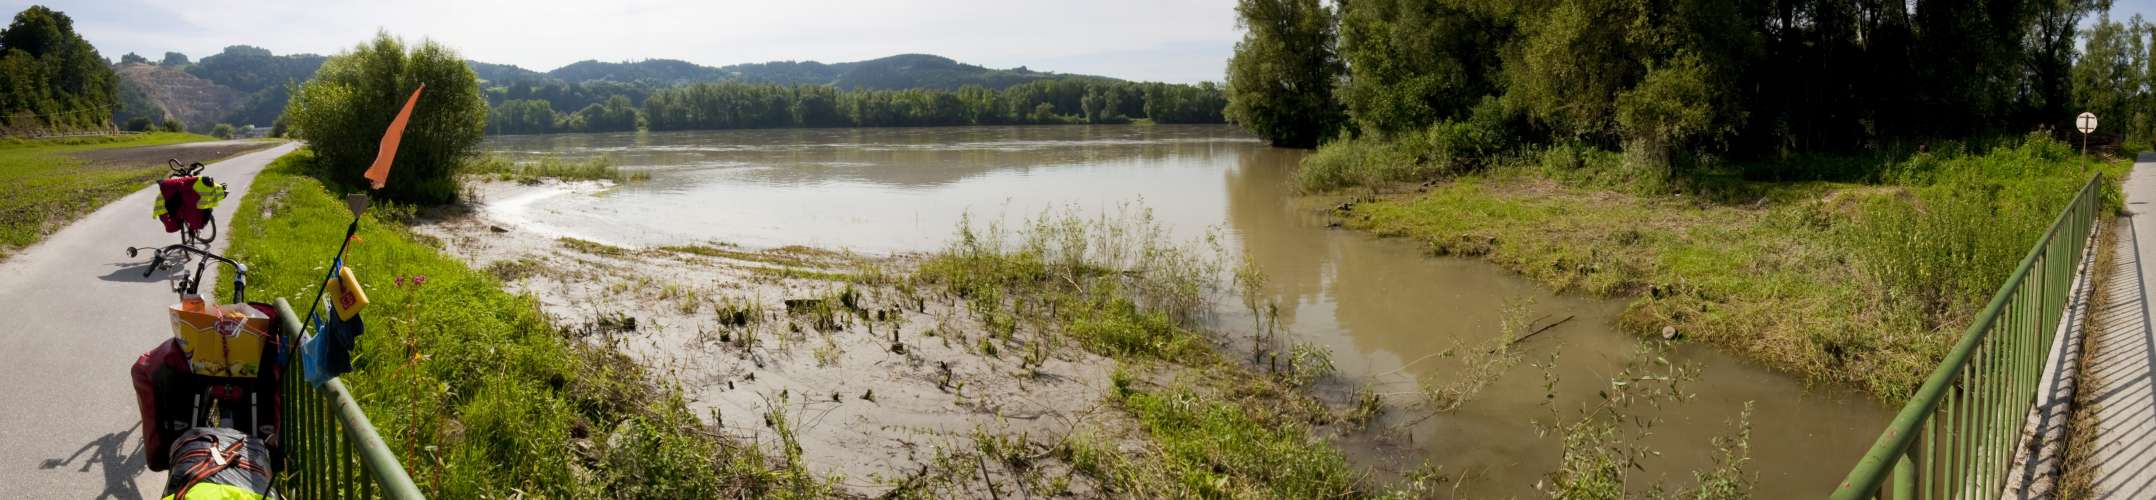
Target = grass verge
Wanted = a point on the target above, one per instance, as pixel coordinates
(1858, 283)
(477, 394)
(42, 187)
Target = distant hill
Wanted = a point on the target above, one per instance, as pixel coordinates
(502, 72)
(246, 85)
(903, 71)
(155, 92)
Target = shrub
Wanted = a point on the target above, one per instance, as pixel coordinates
(344, 109)
(1445, 148)
(138, 124)
(222, 131)
(172, 125)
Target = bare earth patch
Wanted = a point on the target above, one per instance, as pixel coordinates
(883, 386)
(155, 156)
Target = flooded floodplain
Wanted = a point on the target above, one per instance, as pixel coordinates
(1383, 308)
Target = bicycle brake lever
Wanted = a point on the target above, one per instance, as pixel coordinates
(154, 264)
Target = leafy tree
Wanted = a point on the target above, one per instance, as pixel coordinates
(172, 125)
(528, 116)
(616, 115)
(1412, 63)
(222, 131)
(50, 78)
(174, 59)
(1281, 78)
(138, 124)
(2111, 78)
(133, 58)
(343, 111)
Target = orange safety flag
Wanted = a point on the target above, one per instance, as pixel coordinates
(379, 173)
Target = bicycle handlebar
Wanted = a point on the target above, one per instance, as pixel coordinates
(239, 275)
(179, 170)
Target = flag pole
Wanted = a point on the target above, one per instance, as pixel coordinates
(378, 176)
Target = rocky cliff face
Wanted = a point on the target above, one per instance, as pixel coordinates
(154, 92)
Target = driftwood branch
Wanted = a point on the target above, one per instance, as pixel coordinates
(1538, 331)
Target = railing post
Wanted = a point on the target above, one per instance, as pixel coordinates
(1905, 477)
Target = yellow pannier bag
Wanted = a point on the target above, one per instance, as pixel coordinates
(221, 340)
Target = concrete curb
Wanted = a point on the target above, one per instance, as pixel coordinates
(2041, 452)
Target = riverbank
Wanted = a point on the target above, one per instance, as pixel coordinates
(46, 183)
(951, 372)
(472, 387)
(593, 384)
(1863, 284)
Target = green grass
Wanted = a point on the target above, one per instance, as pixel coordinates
(42, 187)
(1119, 287)
(476, 393)
(1211, 448)
(1859, 283)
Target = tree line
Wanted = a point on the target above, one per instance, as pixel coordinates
(611, 106)
(50, 78)
(1658, 78)
(2113, 78)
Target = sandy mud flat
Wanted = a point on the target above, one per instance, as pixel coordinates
(880, 384)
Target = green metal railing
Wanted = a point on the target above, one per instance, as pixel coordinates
(1956, 436)
(331, 450)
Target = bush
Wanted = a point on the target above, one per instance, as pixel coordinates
(1447, 147)
(344, 109)
(1946, 244)
(138, 124)
(173, 125)
(222, 131)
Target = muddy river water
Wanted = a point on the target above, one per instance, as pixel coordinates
(1377, 304)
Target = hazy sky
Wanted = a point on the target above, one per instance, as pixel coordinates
(1166, 40)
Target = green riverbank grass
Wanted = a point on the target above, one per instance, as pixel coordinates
(475, 392)
(1119, 287)
(1863, 284)
(42, 187)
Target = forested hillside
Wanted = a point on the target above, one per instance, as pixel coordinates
(51, 80)
(899, 72)
(247, 85)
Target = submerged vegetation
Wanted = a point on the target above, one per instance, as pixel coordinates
(1117, 285)
(499, 168)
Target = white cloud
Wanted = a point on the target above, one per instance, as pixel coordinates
(1171, 40)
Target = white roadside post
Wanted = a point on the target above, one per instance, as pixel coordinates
(2086, 123)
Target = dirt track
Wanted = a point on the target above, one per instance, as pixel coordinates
(155, 156)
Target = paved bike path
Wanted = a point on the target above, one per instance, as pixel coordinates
(2121, 364)
(75, 311)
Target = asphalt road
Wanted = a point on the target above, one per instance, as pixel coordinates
(75, 312)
